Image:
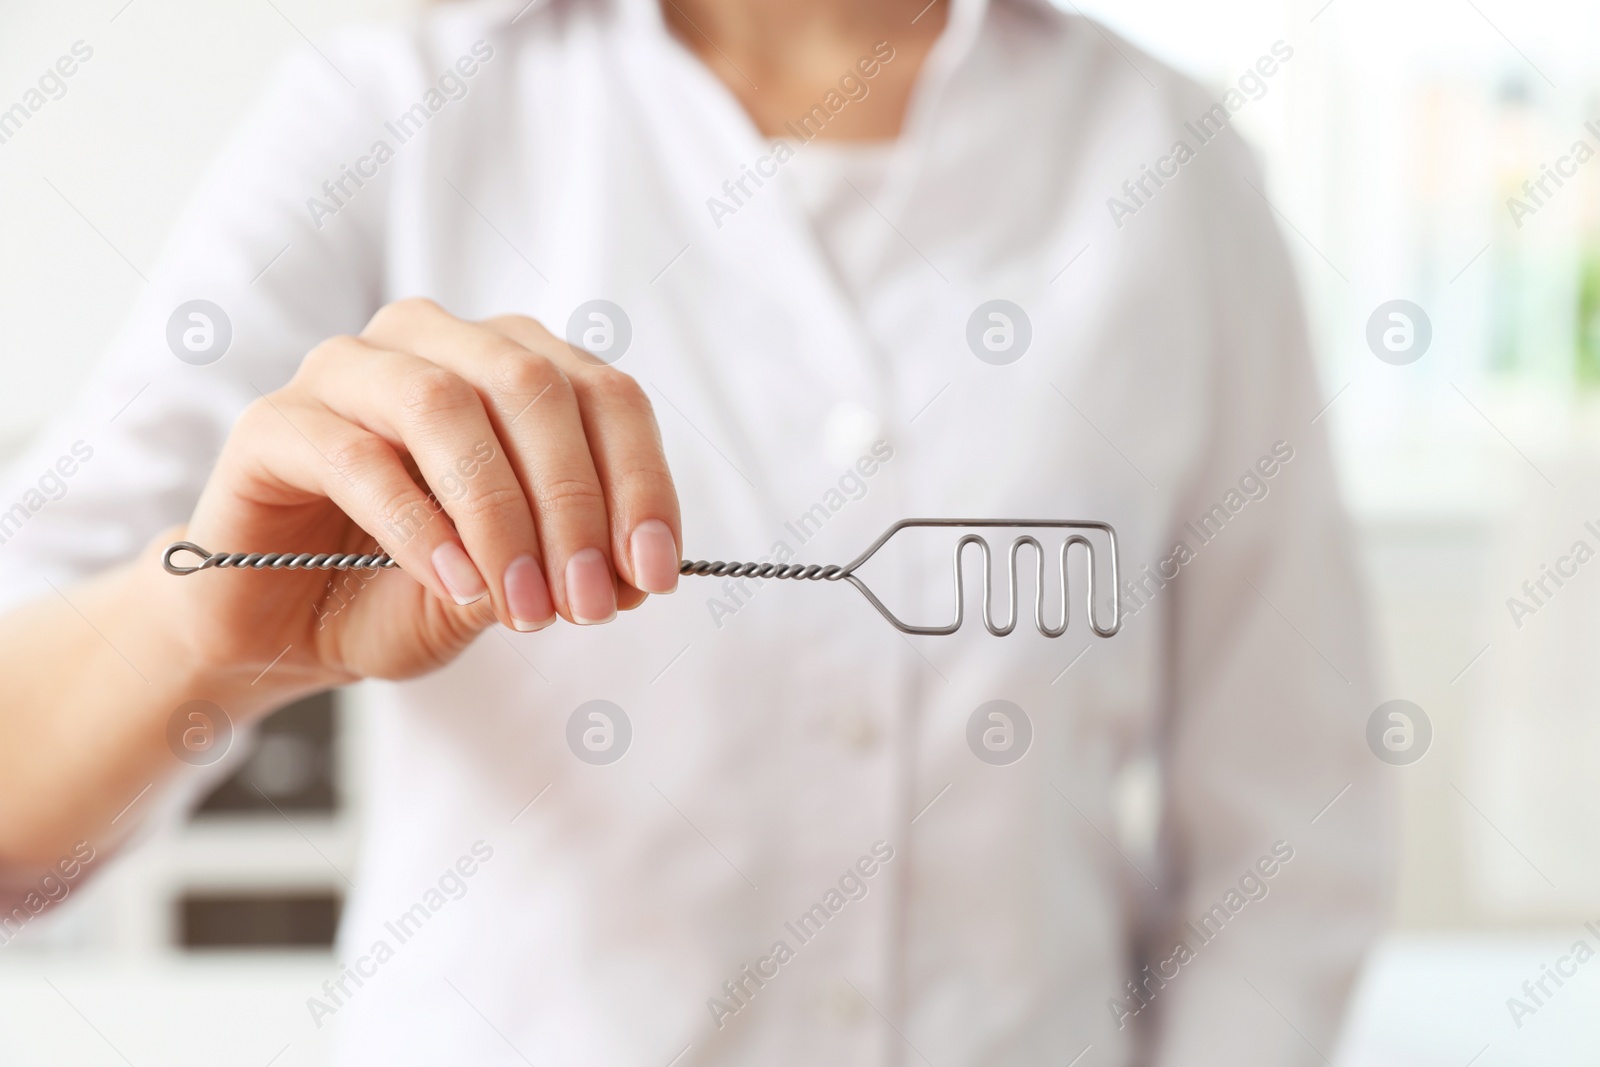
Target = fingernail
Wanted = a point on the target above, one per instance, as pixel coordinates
(590, 594)
(527, 595)
(454, 568)
(655, 557)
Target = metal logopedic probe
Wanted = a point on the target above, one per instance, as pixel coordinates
(815, 572)
(833, 573)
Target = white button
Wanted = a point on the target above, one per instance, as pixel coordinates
(859, 730)
(840, 1005)
(848, 432)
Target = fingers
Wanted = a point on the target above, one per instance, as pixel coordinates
(625, 444)
(438, 419)
(583, 445)
(536, 417)
(298, 450)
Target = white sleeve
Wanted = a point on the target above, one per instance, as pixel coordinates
(130, 455)
(1268, 692)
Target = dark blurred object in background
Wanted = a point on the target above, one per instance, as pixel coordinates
(291, 767)
(258, 920)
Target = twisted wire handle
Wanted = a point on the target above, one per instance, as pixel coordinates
(814, 572)
(273, 561)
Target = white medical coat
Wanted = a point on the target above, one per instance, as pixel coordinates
(780, 732)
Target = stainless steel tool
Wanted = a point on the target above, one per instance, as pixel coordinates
(815, 572)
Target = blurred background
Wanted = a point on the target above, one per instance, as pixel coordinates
(1393, 141)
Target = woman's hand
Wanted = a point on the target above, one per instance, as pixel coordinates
(512, 478)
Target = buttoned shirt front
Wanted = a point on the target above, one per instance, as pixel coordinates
(783, 749)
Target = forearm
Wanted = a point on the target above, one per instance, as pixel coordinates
(93, 674)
